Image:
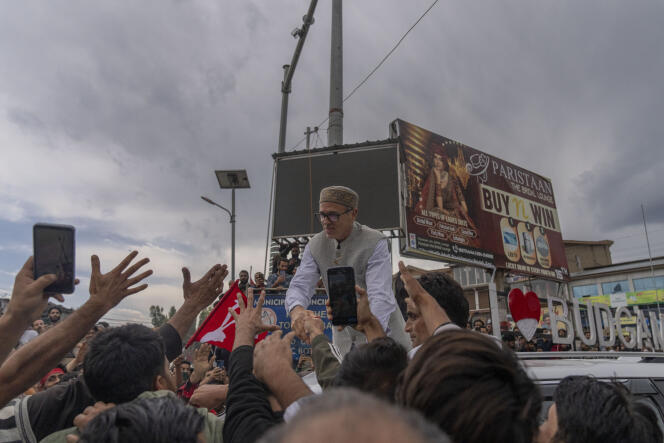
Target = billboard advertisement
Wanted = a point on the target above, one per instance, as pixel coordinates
(467, 206)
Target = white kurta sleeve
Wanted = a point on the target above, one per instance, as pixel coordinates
(379, 284)
(303, 284)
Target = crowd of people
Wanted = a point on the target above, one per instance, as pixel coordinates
(131, 383)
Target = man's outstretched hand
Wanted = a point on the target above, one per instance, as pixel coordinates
(111, 288)
(203, 291)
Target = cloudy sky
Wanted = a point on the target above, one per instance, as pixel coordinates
(114, 114)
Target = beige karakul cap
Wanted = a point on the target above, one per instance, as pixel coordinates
(341, 195)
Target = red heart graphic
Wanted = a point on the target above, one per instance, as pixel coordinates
(524, 306)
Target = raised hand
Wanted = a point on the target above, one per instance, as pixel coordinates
(249, 322)
(330, 316)
(201, 356)
(432, 313)
(111, 288)
(209, 396)
(313, 326)
(28, 297)
(201, 363)
(273, 366)
(215, 374)
(273, 355)
(204, 291)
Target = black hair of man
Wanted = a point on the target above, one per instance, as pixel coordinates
(508, 336)
(608, 413)
(474, 390)
(57, 308)
(347, 414)
(447, 292)
(146, 420)
(373, 367)
(122, 363)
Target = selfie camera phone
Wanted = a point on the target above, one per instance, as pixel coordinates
(341, 290)
(54, 254)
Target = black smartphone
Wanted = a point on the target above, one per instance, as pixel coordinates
(341, 290)
(54, 254)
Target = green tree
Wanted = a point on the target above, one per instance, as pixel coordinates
(203, 315)
(171, 312)
(157, 315)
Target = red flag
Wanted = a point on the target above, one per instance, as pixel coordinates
(218, 328)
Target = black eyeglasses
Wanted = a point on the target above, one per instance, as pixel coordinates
(331, 216)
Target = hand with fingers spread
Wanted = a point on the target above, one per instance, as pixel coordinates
(197, 296)
(249, 322)
(432, 313)
(203, 292)
(111, 288)
(201, 363)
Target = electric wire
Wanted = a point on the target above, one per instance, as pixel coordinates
(383, 60)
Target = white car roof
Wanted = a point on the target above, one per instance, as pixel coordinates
(620, 368)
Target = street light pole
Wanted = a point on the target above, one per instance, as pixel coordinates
(231, 180)
(231, 214)
(233, 234)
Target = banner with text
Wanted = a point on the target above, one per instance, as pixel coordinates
(274, 313)
(467, 206)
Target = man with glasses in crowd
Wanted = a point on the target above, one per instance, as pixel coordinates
(344, 242)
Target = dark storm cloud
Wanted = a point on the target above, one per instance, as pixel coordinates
(170, 91)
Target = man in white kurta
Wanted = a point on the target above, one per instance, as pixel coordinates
(344, 242)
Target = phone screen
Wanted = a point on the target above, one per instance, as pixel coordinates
(54, 254)
(341, 290)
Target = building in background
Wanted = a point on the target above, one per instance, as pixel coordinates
(592, 275)
(587, 254)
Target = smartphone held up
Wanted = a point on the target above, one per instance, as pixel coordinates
(54, 254)
(343, 300)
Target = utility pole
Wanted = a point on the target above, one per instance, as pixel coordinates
(652, 269)
(335, 130)
(289, 71)
(308, 133)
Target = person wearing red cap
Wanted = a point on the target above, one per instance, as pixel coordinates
(51, 379)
